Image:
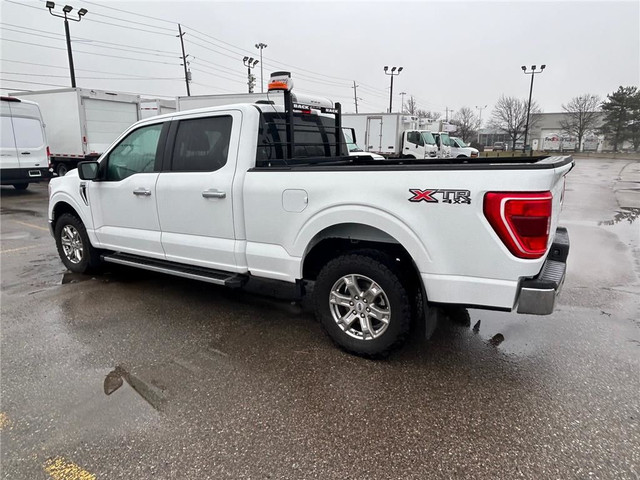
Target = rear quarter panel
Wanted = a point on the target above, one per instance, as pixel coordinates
(444, 239)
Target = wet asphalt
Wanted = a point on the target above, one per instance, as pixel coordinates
(131, 374)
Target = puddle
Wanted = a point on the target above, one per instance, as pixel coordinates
(628, 214)
(20, 211)
(70, 277)
(152, 394)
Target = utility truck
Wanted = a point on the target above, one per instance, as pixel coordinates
(81, 123)
(398, 135)
(224, 194)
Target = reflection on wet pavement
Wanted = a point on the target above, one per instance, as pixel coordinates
(628, 214)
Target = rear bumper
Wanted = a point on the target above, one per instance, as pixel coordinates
(9, 176)
(538, 295)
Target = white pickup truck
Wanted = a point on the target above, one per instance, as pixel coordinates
(258, 190)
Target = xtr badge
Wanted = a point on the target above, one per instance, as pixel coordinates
(441, 195)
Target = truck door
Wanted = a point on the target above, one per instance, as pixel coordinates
(194, 191)
(29, 136)
(373, 135)
(105, 121)
(123, 203)
(413, 144)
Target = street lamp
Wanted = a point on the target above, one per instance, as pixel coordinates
(261, 46)
(250, 63)
(393, 73)
(67, 9)
(533, 74)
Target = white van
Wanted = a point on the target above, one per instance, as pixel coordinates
(459, 149)
(24, 154)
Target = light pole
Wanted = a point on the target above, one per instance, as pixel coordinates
(261, 46)
(480, 120)
(67, 9)
(250, 63)
(533, 74)
(393, 73)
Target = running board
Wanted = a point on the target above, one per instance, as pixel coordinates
(209, 275)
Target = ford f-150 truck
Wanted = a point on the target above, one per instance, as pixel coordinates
(261, 190)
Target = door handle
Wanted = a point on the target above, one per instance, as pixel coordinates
(142, 192)
(26, 153)
(212, 193)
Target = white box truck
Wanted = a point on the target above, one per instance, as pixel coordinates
(81, 123)
(151, 107)
(399, 135)
(205, 101)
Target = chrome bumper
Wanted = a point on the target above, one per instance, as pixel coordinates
(538, 294)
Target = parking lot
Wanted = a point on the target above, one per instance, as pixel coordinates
(131, 374)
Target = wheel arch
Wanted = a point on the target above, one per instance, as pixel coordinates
(345, 237)
(61, 204)
(360, 223)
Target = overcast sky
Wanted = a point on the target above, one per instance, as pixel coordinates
(454, 54)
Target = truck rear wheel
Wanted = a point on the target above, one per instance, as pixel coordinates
(363, 305)
(62, 170)
(74, 248)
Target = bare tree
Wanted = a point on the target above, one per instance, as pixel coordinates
(510, 117)
(582, 116)
(467, 122)
(411, 107)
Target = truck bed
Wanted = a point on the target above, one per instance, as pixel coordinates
(365, 164)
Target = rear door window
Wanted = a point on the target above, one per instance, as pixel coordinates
(7, 139)
(202, 144)
(28, 132)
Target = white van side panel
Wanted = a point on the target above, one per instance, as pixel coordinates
(24, 144)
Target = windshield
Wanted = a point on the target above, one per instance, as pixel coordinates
(349, 141)
(459, 142)
(428, 138)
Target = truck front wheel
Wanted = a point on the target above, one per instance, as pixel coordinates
(363, 305)
(74, 248)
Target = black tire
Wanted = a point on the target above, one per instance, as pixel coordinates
(20, 186)
(457, 315)
(62, 169)
(79, 256)
(392, 302)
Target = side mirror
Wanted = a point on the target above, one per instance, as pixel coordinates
(88, 170)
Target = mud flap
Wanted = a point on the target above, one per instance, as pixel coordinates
(432, 315)
(432, 318)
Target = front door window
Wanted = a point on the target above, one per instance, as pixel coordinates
(136, 153)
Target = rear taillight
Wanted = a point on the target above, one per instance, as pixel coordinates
(521, 220)
(48, 156)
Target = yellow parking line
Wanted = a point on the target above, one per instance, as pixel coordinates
(60, 469)
(20, 249)
(31, 225)
(4, 420)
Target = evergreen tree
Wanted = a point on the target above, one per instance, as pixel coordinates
(620, 108)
